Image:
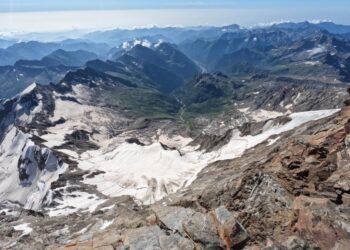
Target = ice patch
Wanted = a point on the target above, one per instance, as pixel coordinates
(106, 224)
(84, 230)
(160, 41)
(289, 106)
(143, 42)
(74, 202)
(28, 90)
(312, 63)
(77, 116)
(317, 50)
(151, 172)
(125, 45)
(145, 172)
(25, 228)
(244, 110)
(9, 212)
(238, 144)
(107, 208)
(272, 141)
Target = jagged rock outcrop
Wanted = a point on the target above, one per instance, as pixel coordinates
(172, 228)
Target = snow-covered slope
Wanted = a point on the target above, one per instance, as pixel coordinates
(151, 172)
(26, 170)
(95, 139)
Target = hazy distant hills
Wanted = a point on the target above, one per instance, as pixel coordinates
(4, 43)
(34, 50)
(165, 58)
(50, 68)
(172, 34)
(317, 55)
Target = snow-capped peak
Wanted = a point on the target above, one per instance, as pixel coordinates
(131, 44)
(127, 45)
(29, 89)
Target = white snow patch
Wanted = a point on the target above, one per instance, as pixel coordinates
(107, 208)
(295, 100)
(318, 21)
(25, 228)
(125, 45)
(272, 141)
(145, 172)
(268, 24)
(244, 110)
(160, 41)
(77, 116)
(106, 224)
(83, 230)
(238, 144)
(151, 172)
(9, 212)
(74, 202)
(29, 89)
(317, 50)
(289, 106)
(312, 63)
(143, 42)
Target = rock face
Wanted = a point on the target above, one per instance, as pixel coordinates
(174, 228)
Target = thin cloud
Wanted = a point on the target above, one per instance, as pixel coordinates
(94, 20)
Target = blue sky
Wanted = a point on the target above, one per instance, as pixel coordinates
(62, 15)
(52, 5)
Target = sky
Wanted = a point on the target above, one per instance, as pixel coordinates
(61, 15)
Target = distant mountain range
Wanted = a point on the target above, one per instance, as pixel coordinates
(50, 69)
(318, 51)
(35, 50)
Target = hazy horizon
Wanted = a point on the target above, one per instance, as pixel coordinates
(90, 15)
